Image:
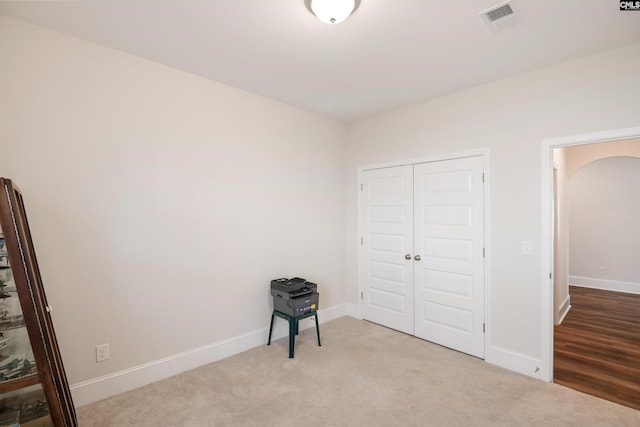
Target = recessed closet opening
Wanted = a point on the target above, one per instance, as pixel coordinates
(423, 249)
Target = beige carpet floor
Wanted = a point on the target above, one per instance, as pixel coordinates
(363, 375)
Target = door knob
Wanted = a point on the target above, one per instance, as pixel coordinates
(417, 258)
(407, 256)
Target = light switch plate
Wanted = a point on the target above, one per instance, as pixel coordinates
(526, 247)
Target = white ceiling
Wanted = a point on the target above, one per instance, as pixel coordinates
(388, 54)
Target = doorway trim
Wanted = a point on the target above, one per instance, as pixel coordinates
(484, 153)
(547, 229)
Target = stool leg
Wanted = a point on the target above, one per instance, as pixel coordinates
(292, 336)
(318, 329)
(271, 328)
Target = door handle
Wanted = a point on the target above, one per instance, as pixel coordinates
(417, 258)
(407, 256)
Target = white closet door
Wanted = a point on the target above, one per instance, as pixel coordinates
(387, 231)
(449, 240)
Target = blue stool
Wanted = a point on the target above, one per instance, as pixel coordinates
(293, 327)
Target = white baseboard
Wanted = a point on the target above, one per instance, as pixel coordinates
(100, 388)
(352, 310)
(516, 362)
(607, 285)
(564, 309)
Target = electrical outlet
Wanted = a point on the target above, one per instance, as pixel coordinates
(102, 352)
(603, 270)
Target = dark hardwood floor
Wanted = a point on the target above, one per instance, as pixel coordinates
(597, 346)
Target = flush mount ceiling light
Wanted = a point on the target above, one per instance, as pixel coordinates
(332, 11)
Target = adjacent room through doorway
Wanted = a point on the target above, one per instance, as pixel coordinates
(596, 282)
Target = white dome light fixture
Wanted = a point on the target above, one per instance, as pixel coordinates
(332, 11)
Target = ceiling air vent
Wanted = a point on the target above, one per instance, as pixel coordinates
(499, 12)
(499, 16)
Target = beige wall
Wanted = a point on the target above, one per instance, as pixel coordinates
(568, 161)
(510, 118)
(161, 203)
(604, 212)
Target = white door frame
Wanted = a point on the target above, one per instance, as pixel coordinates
(484, 152)
(547, 228)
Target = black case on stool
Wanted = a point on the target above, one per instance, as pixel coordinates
(293, 300)
(294, 297)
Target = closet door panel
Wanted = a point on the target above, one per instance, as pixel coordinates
(449, 239)
(387, 238)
